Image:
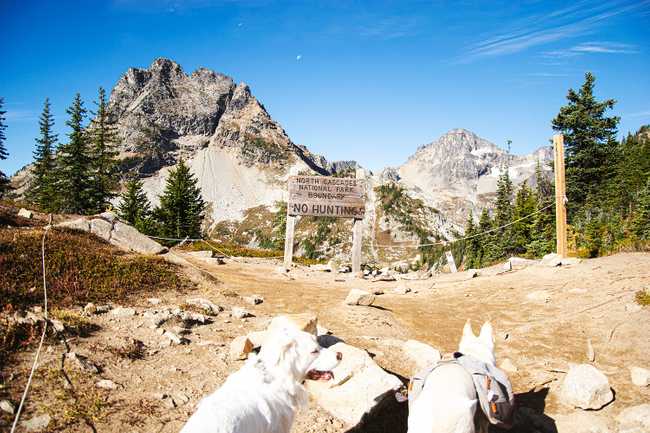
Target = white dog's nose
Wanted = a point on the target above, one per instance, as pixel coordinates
(339, 356)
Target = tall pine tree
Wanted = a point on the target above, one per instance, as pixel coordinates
(641, 222)
(134, 206)
(503, 213)
(102, 134)
(489, 250)
(4, 181)
(42, 190)
(180, 213)
(73, 170)
(472, 244)
(543, 230)
(590, 142)
(522, 229)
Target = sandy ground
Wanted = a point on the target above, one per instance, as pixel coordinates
(543, 318)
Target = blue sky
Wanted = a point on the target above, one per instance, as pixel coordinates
(369, 81)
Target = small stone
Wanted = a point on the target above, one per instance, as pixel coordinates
(507, 366)
(82, 362)
(240, 347)
(207, 306)
(57, 325)
(192, 317)
(175, 338)
(359, 297)
(7, 406)
(169, 402)
(90, 308)
(281, 270)
(101, 309)
(635, 419)
(153, 301)
(640, 376)
(106, 384)
(240, 313)
(37, 423)
(377, 292)
(401, 290)
(25, 213)
(253, 299)
(585, 387)
(160, 331)
(181, 398)
(123, 312)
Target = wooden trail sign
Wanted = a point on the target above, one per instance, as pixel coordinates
(328, 197)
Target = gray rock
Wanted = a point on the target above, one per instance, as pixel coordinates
(359, 386)
(207, 306)
(585, 387)
(101, 228)
(7, 407)
(401, 290)
(240, 313)
(128, 238)
(635, 419)
(106, 384)
(640, 376)
(153, 301)
(175, 338)
(421, 354)
(108, 216)
(253, 299)
(25, 213)
(82, 362)
(57, 325)
(359, 297)
(90, 308)
(37, 423)
(123, 312)
(81, 224)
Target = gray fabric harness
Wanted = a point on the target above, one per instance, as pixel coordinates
(492, 386)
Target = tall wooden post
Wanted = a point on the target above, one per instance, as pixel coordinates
(357, 234)
(288, 241)
(560, 196)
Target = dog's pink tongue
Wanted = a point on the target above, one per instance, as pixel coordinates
(319, 375)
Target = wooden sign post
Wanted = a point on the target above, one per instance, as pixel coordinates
(560, 196)
(326, 196)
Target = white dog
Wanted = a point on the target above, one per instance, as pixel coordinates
(448, 401)
(264, 394)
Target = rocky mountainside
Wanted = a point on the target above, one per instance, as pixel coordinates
(458, 172)
(242, 158)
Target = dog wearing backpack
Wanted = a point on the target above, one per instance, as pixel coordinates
(463, 395)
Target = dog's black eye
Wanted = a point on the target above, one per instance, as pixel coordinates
(315, 351)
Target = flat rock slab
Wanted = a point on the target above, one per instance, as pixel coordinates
(585, 387)
(421, 354)
(584, 422)
(359, 297)
(359, 386)
(37, 423)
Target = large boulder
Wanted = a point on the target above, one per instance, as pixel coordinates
(306, 322)
(422, 355)
(635, 419)
(585, 387)
(359, 297)
(359, 386)
(128, 238)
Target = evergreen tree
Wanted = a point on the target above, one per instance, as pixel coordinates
(543, 228)
(4, 181)
(522, 229)
(488, 250)
(641, 222)
(590, 143)
(503, 212)
(472, 245)
(42, 190)
(632, 171)
(73, 174)
(181, 207)
(102, 135)
(134, 206)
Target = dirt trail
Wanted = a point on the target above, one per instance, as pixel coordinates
(542, 316)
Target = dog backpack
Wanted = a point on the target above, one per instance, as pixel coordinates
(492, 386)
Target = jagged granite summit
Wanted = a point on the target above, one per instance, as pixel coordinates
(458, 172)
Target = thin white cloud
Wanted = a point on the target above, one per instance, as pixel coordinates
(547, 74)
(592, 48)
(577, 20)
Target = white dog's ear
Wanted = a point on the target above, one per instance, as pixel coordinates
(467, 329)
(487, 335)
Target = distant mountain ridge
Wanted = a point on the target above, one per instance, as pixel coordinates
(243, 158)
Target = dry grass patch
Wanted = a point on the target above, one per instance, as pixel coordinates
(642, 297)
